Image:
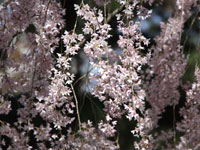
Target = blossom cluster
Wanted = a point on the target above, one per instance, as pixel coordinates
(36, 82)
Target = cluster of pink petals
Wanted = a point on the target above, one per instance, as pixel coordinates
(41, 83)
(190, 124)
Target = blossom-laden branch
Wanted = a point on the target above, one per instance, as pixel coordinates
(43, 87)
(190, 124)
(168, 66)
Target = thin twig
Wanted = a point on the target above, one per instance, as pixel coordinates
(45, 17)
(110, 16)
(83, 76)
(77, 108)
(174, 123)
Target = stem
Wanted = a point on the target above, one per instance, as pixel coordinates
(45, 17)
(75, 25)
(174, 123)
(105, 20)
(114, 13)
(77, 109)
(83, 76)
